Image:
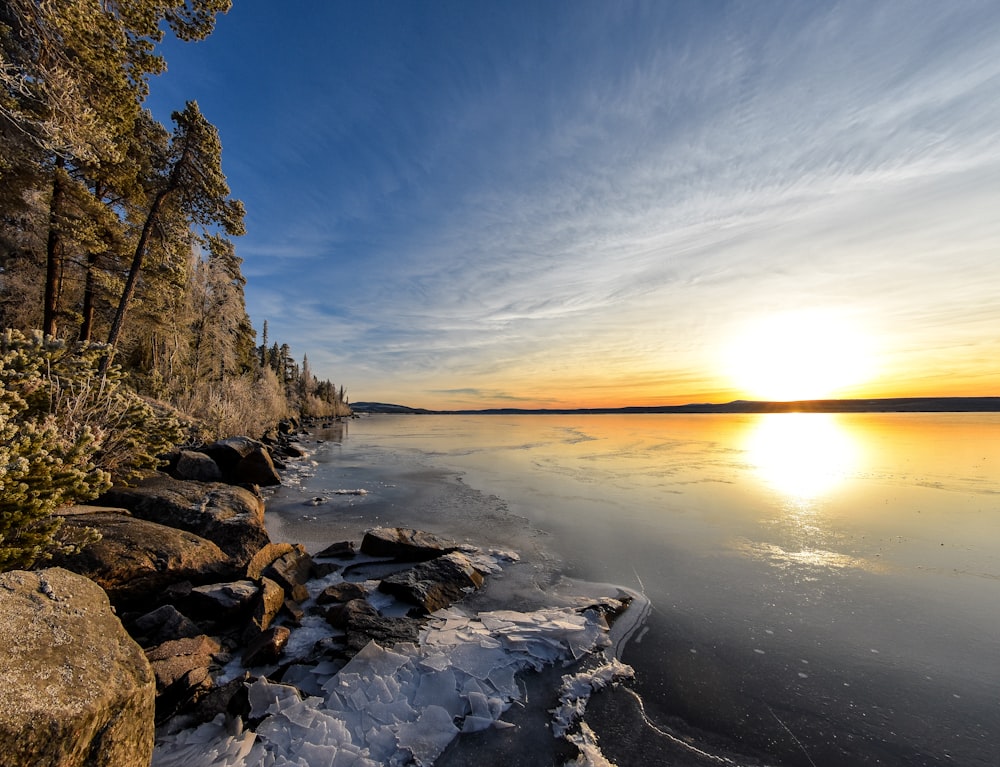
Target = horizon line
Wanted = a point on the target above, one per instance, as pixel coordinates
(984, 404)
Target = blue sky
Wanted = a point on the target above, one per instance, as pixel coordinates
(467, 204)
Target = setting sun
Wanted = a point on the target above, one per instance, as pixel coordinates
(799, 355)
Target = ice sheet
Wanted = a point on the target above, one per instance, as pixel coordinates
(400, 706)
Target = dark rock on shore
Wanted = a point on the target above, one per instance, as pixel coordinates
(270, 600)
(341, 592)
(183, 671)
(405, 544)
(340, 550)
(267, 647)
(291, 571)
(197, 467)
(229, 516)
(362, 623)
(75, 689)
(435, 584)
(265, 556)
(243, 460)
(136, 560)
(223, 601)
(162, 625)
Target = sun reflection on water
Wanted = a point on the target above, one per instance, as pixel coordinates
(803, 456)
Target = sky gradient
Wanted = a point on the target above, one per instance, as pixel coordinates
(562, 204)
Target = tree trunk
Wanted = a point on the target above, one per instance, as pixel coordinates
(89, 291)
(53, 259)
(133, 278)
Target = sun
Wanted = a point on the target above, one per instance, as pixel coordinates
(808, 354)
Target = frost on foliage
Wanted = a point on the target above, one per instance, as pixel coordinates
(396, 707)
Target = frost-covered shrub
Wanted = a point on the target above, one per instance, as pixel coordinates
(64, 434)
(247, 405)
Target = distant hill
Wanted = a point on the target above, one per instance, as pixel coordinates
(889, 405)
(382, 407)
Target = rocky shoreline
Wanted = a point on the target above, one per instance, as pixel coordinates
(197, 606)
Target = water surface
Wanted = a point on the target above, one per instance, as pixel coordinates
(825, 588)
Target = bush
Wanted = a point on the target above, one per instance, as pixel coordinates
(65, 433)
(245, 406)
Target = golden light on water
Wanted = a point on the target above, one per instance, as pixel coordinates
(801, 455)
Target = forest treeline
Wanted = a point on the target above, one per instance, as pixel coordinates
(117, 229)
(124, 326)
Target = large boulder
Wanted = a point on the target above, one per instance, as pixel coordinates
(75, 689)
(229, 516)
(435, 584)
(197, 466)
(405, 543)
(135, 560)
(243, 460)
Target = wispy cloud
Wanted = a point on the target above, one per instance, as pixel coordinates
(440, 208)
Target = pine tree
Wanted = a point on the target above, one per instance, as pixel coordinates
(191, 178)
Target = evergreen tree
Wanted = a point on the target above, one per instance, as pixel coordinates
(190, 177)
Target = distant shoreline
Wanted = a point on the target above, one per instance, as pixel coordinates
(884, 405)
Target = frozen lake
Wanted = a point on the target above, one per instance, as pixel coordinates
(825, 589)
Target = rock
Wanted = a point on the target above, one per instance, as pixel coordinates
(323, 569)
(435, 584)
(291, 571)
(183, 671)
(258, 468)
(223, 601)
(340, 550)
(270, 600)
(267, 648)
(229, 698)
(341, 592)
(162, 625)
(136, 560)
(75, 689)
(362, 623)
(231, 517)
(243, 460)
(404, 543)
(294, 611)
(196, 466)
(265, 556)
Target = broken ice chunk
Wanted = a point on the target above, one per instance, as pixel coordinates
(476, 723)
(436, 661)
(391, 712)
(479, 704)
(427, 737)
(267, 697)
(503, 681)
(476, 660)
(374, 660)
(440, 688)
